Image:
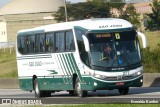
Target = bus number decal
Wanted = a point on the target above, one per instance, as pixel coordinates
(31, 64)
(126, 73)
(38, 63)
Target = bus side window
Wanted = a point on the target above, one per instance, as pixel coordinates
(42, 43)
(21, 44)
(28, 44)
(37, 43)
(32, 44)
(59, 42)
(50, 42)
(69, 41)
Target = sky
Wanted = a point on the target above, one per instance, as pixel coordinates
(3, 2)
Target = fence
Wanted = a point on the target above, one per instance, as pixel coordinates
(7, 47)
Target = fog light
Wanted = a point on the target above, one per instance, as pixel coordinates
(95, 84)
(141, 80)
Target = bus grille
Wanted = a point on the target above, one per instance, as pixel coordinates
(119, 78)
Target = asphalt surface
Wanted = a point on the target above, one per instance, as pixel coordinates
(136, 95)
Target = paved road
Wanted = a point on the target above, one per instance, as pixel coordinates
(136, 95)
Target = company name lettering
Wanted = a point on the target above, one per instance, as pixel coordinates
(106, 26)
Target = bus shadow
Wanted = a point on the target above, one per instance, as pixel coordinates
(112, 93)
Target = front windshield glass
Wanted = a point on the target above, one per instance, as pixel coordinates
(118, 49)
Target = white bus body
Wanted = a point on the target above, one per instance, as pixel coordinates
(69, 56)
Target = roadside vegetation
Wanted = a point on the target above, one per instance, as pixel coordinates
(151, 55)
(8, 64)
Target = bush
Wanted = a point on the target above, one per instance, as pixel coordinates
(151, 59)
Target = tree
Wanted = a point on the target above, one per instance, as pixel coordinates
(154, 18)
(84, 10)
(117, 5)
(131, 15)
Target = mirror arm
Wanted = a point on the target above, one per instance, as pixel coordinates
(144, 39)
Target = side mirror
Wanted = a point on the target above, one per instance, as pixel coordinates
(86, 43)
(144, 39)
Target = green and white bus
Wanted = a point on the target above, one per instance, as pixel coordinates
(71, 56)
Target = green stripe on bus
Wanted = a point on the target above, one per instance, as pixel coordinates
(64, 67)
(64, 57)
(62, 73)
(76, 67)
(61, 68)
(70, 66)
(72, 63)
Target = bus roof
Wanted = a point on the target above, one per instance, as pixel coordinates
(90, 24)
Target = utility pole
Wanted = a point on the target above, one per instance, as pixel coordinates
(65, 6)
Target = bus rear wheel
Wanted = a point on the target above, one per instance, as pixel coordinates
(123, 91)
(38, 92)
(81, 93)
(72, 92)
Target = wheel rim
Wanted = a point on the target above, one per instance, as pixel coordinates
(79, 88)
(36, 88)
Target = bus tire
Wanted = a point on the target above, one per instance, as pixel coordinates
(38, 92)
(81, 93)
(123, 91)
(47, 94)
(72, 92)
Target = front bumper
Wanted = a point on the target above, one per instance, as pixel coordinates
(104, 85)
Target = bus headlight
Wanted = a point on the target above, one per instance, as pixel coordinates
(138, 73)
(99, 76)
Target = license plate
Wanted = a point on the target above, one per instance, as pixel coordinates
(120, 83)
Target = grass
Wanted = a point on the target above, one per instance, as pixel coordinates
(8, 64)
(153, 39)
(104, 105)
(151, 56)
(118, 105)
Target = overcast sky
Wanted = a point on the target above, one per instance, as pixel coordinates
(3, 2)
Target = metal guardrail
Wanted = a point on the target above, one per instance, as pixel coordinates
(7, 45)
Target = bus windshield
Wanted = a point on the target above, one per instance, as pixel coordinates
(114, 50)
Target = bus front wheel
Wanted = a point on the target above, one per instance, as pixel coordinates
(123, 91)
(81, 93)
